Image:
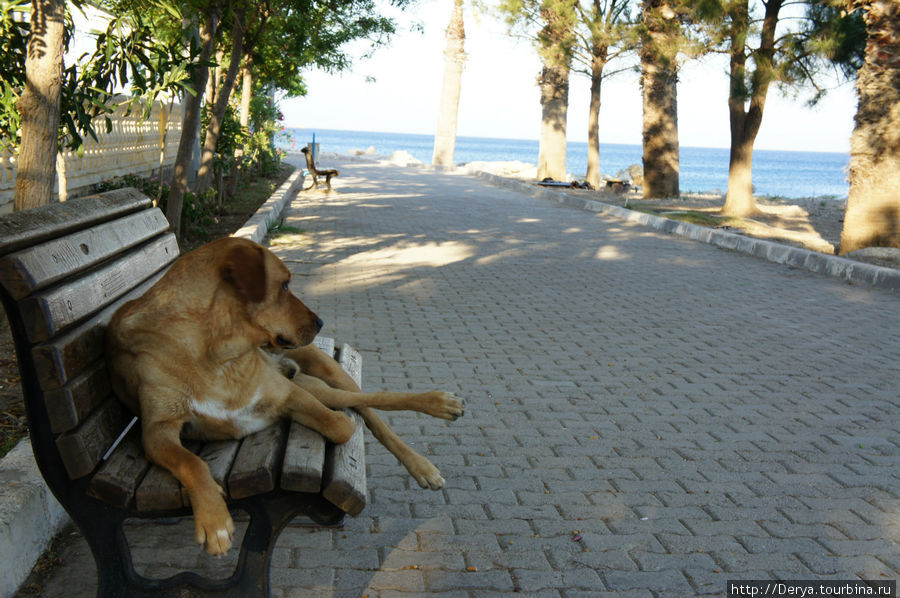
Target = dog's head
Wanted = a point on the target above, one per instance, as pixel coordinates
(261, 283)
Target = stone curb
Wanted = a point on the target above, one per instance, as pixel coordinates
(259, 224)
(29, 514)
(821, 263)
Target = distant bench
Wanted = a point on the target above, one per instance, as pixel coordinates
(64, 270)
(316, 172)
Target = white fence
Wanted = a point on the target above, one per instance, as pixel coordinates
(131, 147)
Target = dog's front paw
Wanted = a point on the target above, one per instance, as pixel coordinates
(425, 473)
(213, 526)
(443, 405)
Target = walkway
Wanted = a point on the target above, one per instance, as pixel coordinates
(647, 415)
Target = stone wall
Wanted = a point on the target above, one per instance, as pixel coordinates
(131, 147)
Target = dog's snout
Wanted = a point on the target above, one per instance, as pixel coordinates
(319, 324)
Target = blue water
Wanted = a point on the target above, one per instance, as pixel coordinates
(775, 173)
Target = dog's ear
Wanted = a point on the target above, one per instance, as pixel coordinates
(245, 268)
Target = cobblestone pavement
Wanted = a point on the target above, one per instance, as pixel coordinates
(647, 416)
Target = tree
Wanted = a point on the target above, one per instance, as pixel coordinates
(221, 98)
(556, 41)
(40, 105)
(662, 40)
(604, 35)
(873, 206)
(178, 186)
(454, 60)
(550, 24)
(769, 48)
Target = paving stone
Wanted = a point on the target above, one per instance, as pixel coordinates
(745, 409)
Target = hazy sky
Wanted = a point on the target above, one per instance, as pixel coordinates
(500, 97)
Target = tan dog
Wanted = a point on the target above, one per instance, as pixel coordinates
(189, 356)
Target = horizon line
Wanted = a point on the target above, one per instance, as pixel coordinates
(763, 149)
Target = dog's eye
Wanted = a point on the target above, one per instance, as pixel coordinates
(284, 285)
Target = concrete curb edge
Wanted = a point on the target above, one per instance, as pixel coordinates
(830, 265)
(29, 514)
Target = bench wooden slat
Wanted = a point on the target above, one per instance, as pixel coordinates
(256, 467)
(69, 405)
(158, 491)
(117, 480)
(62, 358)
(219, 456)
(37, 267)
(82, 448)
(30, 227)
(304, 460)
(48, 312)
(344, 481)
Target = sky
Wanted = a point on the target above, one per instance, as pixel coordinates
(397, 90)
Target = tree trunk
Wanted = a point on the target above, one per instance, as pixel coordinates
(556, 41)
(454, 60)
(246, 96)
(554, 84)
(39, 106)
(746, 121)
(872, 218)
(191, 123)
(204, 175)
(659, 88)
(593, 162)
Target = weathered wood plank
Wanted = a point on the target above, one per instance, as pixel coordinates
(351, 361)
(158, 491)
(258, 462)
(219, 456)
(62, 358)
(48, 312)
(118, 478)
(304, 460)
(325, 344)
(344, 482)
(82, 448)
(21, 229)
(69, 405)
(37, 267)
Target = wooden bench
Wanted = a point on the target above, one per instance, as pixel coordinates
(64, 269)
(315, 172)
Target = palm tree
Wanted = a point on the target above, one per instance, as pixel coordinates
(454, 60)
(659, 77)
(873, 206)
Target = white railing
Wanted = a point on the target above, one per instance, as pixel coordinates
(131, 147)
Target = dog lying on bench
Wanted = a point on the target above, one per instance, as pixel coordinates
(316, 173)
(193, 355)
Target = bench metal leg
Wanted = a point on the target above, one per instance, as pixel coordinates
(269, 514)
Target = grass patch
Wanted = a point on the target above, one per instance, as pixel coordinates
(694, 217)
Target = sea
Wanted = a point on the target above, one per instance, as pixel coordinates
(788, 174)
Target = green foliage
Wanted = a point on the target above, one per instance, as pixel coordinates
(265, 127)
(198, 212)
(127, 54)
(14, 28)
(302, 34)
(813, 39)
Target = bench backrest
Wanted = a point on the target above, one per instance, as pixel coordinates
(64, 270)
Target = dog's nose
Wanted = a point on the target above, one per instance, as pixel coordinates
(319, 324)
